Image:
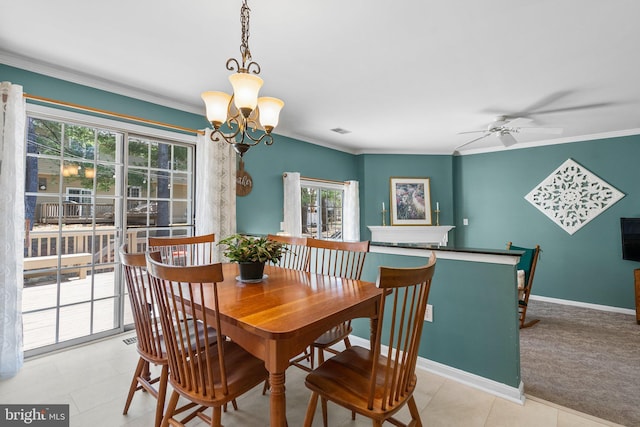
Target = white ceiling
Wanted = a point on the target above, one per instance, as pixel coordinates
(404, 76)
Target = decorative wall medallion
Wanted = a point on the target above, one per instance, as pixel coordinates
(244, 183)
(572, 196)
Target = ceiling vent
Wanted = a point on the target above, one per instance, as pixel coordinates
(340, 131)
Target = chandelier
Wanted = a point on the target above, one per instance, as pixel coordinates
(250, 119)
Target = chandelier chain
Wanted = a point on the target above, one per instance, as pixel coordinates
(244, 22)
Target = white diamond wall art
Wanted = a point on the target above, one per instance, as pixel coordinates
(572, 196)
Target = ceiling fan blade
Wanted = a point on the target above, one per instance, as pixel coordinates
(506, 138)
(550, 131)
(472, 141)
(517, 122)
(472, 131)
(574, 108)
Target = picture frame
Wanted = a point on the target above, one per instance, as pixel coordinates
(410, 201)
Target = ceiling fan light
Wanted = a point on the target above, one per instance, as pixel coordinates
(217, 105)
(269, 112)
(506, 138)
(245, 91)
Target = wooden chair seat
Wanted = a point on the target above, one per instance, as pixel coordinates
(241, 369)
(348, 377)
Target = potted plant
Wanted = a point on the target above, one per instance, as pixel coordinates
(251, 253)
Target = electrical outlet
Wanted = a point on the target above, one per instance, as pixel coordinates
(428, 313)
(465, 221)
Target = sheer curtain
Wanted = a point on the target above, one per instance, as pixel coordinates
(12, 143)
(292, 204)
(351, 212)
(215, 189)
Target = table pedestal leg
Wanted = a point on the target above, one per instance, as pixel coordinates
(278, 401)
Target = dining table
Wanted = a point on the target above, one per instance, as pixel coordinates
(278, 317)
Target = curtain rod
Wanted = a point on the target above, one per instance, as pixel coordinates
(111, 113)
(326, 181)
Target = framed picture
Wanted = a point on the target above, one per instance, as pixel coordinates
(410, 201)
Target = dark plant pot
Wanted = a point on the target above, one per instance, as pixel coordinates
(251, 270)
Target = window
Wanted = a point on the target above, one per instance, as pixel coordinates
(321, 210)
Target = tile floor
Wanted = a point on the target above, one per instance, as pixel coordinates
(93, 379)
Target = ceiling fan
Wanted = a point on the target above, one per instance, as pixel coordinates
(504, 127)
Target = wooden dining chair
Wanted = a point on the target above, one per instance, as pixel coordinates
(526, 265)
(207, 373)
(368, 382)
(184, 250)
(150, 340)
(296, 255)
(341, 259)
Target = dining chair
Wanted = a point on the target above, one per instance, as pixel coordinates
(204, 372)
(341, 259)
(377, 383)
(526, 269)
(184, 250)
(150, 340)
(297, 254)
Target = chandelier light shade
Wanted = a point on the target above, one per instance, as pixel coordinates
(249, 119)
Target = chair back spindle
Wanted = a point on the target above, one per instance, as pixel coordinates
(341, 259)
(185, 250)
(296, 256)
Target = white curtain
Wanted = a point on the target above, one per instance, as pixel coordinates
(215, 189)
(12, 164)
(351, 212)
(292, 204)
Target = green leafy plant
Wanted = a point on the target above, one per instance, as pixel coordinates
(252, 249)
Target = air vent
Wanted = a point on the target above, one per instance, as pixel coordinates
(129, 341)
(340, 131)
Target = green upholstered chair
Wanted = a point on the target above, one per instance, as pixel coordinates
(527, 264)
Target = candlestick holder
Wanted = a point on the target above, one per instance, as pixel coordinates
(437, 211)
(384, 217)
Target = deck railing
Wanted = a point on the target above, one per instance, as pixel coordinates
(74, 213)
(101, 243)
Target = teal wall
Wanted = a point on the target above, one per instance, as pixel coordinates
(475, 325)
(586, 266)
(261, 211)
(376, 169)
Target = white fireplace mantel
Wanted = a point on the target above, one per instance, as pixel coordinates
(435, 234)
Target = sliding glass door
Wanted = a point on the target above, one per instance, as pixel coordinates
(88, 190)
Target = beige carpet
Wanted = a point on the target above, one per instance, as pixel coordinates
(587, 360)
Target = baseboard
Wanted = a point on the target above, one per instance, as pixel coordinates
(504, 391)
(584, 305)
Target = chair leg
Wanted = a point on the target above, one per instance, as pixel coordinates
(162, 394)
(134, 384)
(347, 343)
(323, 403)
(216, 417)
(529, 323)
(311, 409)
(173, 402)
(413, 410)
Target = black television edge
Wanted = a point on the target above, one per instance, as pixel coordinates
(630, 230)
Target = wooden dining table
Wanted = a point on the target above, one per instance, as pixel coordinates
(278, 317)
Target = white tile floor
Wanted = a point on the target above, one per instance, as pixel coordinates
(94, 379)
